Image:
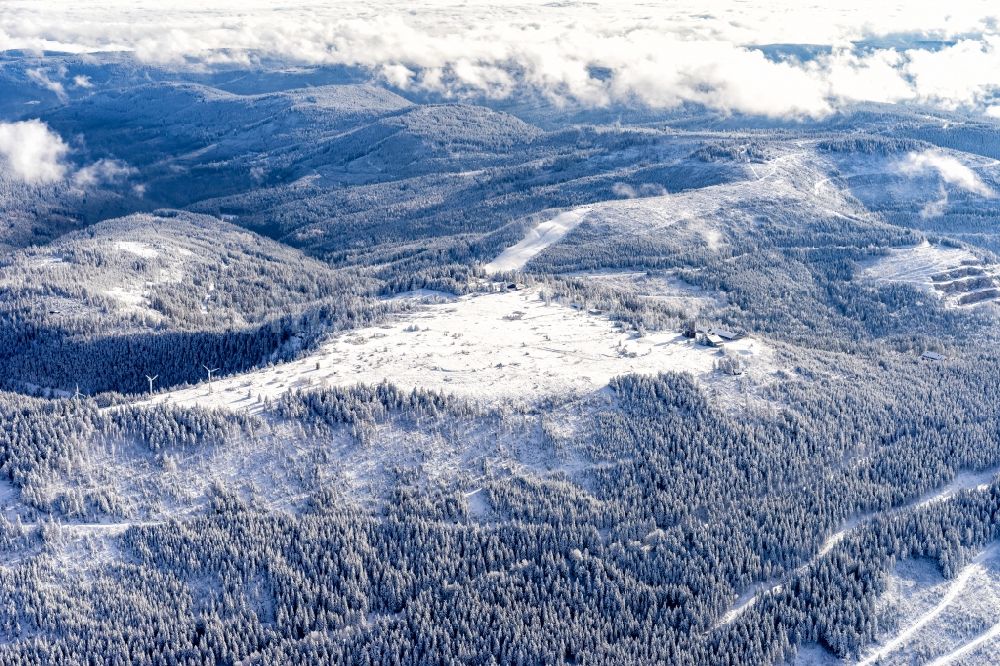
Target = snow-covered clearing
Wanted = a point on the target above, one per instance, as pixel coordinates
(140, 249)
(170, 259)
(662, 288)
(916, 265)
(44, 260)
(10, 504)
(129, 298)
(962, 481)
(167, 264)
(510, 346)
(953, 275)
(479, 506)
(943, 620)
(537, 239)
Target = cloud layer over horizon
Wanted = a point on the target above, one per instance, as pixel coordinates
(657, 55)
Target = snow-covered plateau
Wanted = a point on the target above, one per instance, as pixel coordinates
(512, 346)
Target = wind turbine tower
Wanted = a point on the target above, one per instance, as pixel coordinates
(209, 371)
(151, 380)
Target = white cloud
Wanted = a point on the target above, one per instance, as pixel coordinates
(959, 75)
(660, 55)
(948, 168)
(101, 172)
(31, 152)
(398, 75)
(720, 76)
(875, 77)
(937, 207)
(40, 77)
(626, 191)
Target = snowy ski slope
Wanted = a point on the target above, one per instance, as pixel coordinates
(537, 239)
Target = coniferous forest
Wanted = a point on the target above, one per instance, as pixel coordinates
(429, 338)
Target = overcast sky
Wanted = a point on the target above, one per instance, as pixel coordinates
(596, 53)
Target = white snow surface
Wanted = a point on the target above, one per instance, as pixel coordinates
(509, 347)
(916, 265)
(942, 621)
(660, 288)
(127, 297)
(952, 275)
(748, 598)
(537, 239)
(137, 248)
(963, 481)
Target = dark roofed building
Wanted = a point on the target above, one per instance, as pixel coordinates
(711, 340)
(725, 334)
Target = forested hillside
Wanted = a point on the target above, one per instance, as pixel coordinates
(301, 365)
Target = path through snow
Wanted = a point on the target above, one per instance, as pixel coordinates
(537, 239)
(962, 481)
(953, 591)
(966, 648)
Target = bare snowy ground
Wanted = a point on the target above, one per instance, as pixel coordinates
(943, 621)
(537, 239)
(962, 482)
(130, 291)
(917, 264)
(661, 288)
(136, 294)
(954, 275)
(141, 249)
(491, 348)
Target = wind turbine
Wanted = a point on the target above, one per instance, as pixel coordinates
(76, 395)
(151, 380)
(209, 371)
